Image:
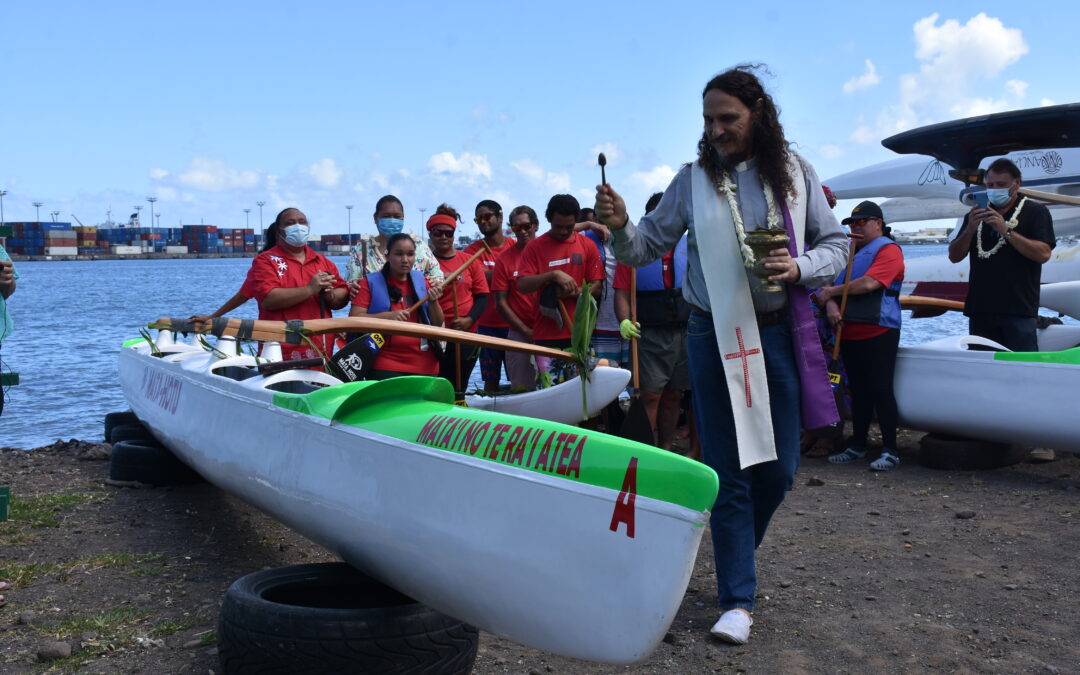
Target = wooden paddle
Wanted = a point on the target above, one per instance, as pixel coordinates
(636, 425)
(834, 363)
(457, 345)
(565, 315)
(920, 301)
(1050, 196)
(455, 274)
(280, 331)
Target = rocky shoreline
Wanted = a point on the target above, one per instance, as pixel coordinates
(912, 569)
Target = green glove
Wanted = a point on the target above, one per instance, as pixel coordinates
(629, 330)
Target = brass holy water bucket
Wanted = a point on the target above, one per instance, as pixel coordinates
(761, 242)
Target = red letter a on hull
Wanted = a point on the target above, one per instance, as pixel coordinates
(624, 504)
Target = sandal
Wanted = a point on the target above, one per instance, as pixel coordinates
(885, 462)
(847, 456)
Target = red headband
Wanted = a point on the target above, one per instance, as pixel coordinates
(441, 219)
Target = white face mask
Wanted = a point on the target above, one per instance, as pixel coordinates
(295, 235)
(998, 196)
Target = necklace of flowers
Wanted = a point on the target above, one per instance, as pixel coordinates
(1010, 224)
(727, 187)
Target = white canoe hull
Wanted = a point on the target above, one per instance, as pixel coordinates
(521, 554)
(943, 386)
(562, 402)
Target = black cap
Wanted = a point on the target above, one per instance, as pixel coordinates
(867, 209)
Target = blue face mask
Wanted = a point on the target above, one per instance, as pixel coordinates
(295, 235)
(998, 196)
(388, 227)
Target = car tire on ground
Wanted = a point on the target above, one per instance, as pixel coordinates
(115, 419)
(131, 432)
(148, 462)
(330, 617)
(953, 453)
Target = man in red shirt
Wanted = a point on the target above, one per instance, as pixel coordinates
(563, 259)
(489, 220)
(291, 281)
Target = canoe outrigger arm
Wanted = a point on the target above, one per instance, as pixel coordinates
(294, 332)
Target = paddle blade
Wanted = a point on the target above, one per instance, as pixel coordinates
(635, 426)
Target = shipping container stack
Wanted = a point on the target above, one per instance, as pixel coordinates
(335, 244)
(61, 239)
(212, 239)
(41, 239)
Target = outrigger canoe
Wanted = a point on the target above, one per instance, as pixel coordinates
(561, 402)
(1012, 397)
(563, 539)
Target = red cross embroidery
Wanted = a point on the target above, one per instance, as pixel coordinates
(742, 354)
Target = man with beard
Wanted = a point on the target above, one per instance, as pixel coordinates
(489, 220)
(755, 358)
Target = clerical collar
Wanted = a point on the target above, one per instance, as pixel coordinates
(746, 165)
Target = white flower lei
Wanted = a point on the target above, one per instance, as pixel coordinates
(727, 187)
(1010, 224)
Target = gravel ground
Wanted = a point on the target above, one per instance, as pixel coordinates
(909, 570)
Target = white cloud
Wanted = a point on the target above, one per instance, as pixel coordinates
(867, 80)
(558, 182)
(167, 194)
(535, 173)
(204, 173)
(611, 153)
(468, 166)
(529, 168)
(325, 173)
(1016, 88)
(654, 180)
(955, 60)
(380, 180)
(1045, 102)
(831, 151)
(158, 174)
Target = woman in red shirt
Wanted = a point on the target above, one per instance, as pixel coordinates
(388, 294)
(464, 301)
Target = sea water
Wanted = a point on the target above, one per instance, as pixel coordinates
(71, 318)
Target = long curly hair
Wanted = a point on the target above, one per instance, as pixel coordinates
(770, 148)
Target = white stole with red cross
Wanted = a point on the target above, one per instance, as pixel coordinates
(734, 319)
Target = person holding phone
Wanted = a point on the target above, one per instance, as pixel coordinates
(1006, 241)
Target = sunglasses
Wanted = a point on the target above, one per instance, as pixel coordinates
(484, 217)
(862, 222)
(441, 233)
(525, 226)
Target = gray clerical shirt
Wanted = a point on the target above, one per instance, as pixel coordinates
(656, 233)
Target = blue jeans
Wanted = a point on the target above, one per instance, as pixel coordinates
(748, 497)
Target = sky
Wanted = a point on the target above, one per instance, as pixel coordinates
(212, 107)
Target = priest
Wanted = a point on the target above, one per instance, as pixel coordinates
(758, 374)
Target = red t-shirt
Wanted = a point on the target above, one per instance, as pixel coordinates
(277, 268)
(577, 256)
(400, 353)
(491, 317)
(505, 279)
(888, 266)
(468, 285)
(247, 289)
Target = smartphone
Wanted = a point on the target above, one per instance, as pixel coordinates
(980, 199)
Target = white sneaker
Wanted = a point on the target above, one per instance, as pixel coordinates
(733, 626)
